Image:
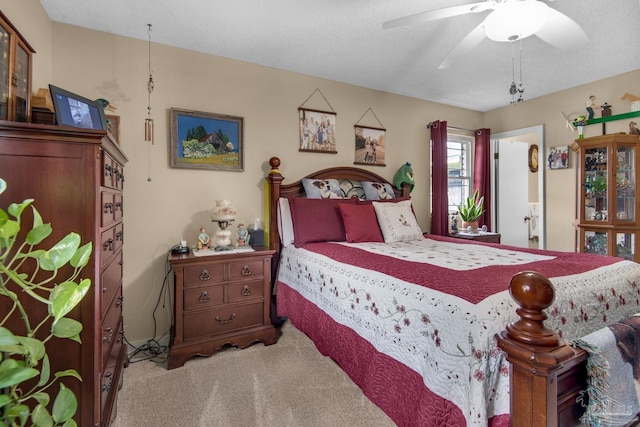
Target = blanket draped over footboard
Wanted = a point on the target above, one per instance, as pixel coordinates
(413, 323)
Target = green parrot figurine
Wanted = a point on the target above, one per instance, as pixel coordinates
(404, 175)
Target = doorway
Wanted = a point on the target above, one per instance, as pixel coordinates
(519, 195)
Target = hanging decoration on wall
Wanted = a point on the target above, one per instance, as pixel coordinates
(148, 122)
(317, 128)
(369, 142)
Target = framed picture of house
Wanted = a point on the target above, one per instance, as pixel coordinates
(317, 131)
(201, 140)
(369, 146)
(558, 157)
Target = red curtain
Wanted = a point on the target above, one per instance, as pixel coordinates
(439, 197)
(482, 172)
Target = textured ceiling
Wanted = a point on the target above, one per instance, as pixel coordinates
(343, 40)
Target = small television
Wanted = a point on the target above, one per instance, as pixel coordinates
(74, 110)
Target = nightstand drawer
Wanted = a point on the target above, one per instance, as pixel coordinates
(240, 270)
(218, 321)
(203, 297)
(245, 291)
(204, 274)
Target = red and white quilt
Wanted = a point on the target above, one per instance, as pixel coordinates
(415, 322)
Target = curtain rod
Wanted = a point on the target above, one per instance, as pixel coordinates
(431, 124)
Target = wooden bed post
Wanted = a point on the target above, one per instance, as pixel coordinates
(540, 395)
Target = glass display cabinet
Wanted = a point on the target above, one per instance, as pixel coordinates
(608, 196)
(15, 73)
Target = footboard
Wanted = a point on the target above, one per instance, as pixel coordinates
(547, 374)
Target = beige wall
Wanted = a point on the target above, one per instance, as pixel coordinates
(560, 188)
(174, 203)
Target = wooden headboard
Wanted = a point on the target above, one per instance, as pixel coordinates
(295, 189)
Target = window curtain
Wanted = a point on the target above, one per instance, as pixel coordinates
(482, 172)
(439, 197)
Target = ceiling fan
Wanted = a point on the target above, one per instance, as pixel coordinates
(509, 20)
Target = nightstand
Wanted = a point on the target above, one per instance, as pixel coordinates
(478, 237)
(220, 299)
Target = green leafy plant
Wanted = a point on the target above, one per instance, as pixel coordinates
(471, 209)
(27, 272)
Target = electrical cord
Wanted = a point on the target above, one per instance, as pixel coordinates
(152, 349)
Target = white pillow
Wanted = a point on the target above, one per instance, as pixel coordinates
(285, 222)
(377, 190)
(397, 221)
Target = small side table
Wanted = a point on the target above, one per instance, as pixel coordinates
(220, 299)
(478, 237)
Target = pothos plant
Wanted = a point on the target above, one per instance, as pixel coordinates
(30, 273)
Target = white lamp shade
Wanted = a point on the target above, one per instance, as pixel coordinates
(223, 211)
(515, 20)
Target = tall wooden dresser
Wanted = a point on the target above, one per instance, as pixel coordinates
(76, 179)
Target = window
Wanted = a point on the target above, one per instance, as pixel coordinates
(459, 168)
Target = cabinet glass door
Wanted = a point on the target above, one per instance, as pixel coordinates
(626, 246)
(5, 70)
(625, 184)
(595, 242)
(595, 196)
(21, 84)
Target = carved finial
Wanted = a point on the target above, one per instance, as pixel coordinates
(533, 293)
(274, 162)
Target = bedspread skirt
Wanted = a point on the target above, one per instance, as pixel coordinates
(396, 389)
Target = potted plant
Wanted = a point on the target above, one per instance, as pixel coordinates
(471, 210)
(29, 273)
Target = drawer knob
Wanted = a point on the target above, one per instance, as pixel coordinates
(108, 207)
(119, 236)
(219, 319)
(204, 276)
(246, 271)
(108, 245)
(204, 297)
(119, 301)
(245, 291)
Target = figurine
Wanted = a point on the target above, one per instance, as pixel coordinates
(203, 239)
(454, 223)
(591, 104)
(633, 130)
(243, 236)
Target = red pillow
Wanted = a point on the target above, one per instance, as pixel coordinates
(317, 220)
(360, 223)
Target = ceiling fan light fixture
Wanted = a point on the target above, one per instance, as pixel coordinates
(515, 20)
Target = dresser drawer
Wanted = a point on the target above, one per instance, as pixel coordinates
(204, 274)
(111, 378)
(110, 333)
(107, 245)
(203, 297)
(224, 319)
(111, 281)
(109, 171)
(107, 203)
(245, 291)
(241, 270)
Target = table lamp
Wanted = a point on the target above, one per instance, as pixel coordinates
(223, 214)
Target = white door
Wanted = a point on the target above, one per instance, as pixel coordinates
(512, 178)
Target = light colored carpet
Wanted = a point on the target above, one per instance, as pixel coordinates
(286, 384)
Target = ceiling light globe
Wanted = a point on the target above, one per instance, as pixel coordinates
(515, 19)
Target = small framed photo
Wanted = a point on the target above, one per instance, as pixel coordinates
(558, 157)
(317, 131)
(370, 146)
(113, 126)
(210, 141)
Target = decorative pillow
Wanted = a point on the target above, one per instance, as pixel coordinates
(397, 222)
(322, 188)
(377, 190)
(360, 223)
(351, 188)
(316, 220)
(396, 200)
(285, 222)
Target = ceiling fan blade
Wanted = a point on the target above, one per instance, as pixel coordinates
(436, 14)
(561, 31)
(463, 48)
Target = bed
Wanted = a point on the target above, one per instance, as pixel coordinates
(419, 322)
